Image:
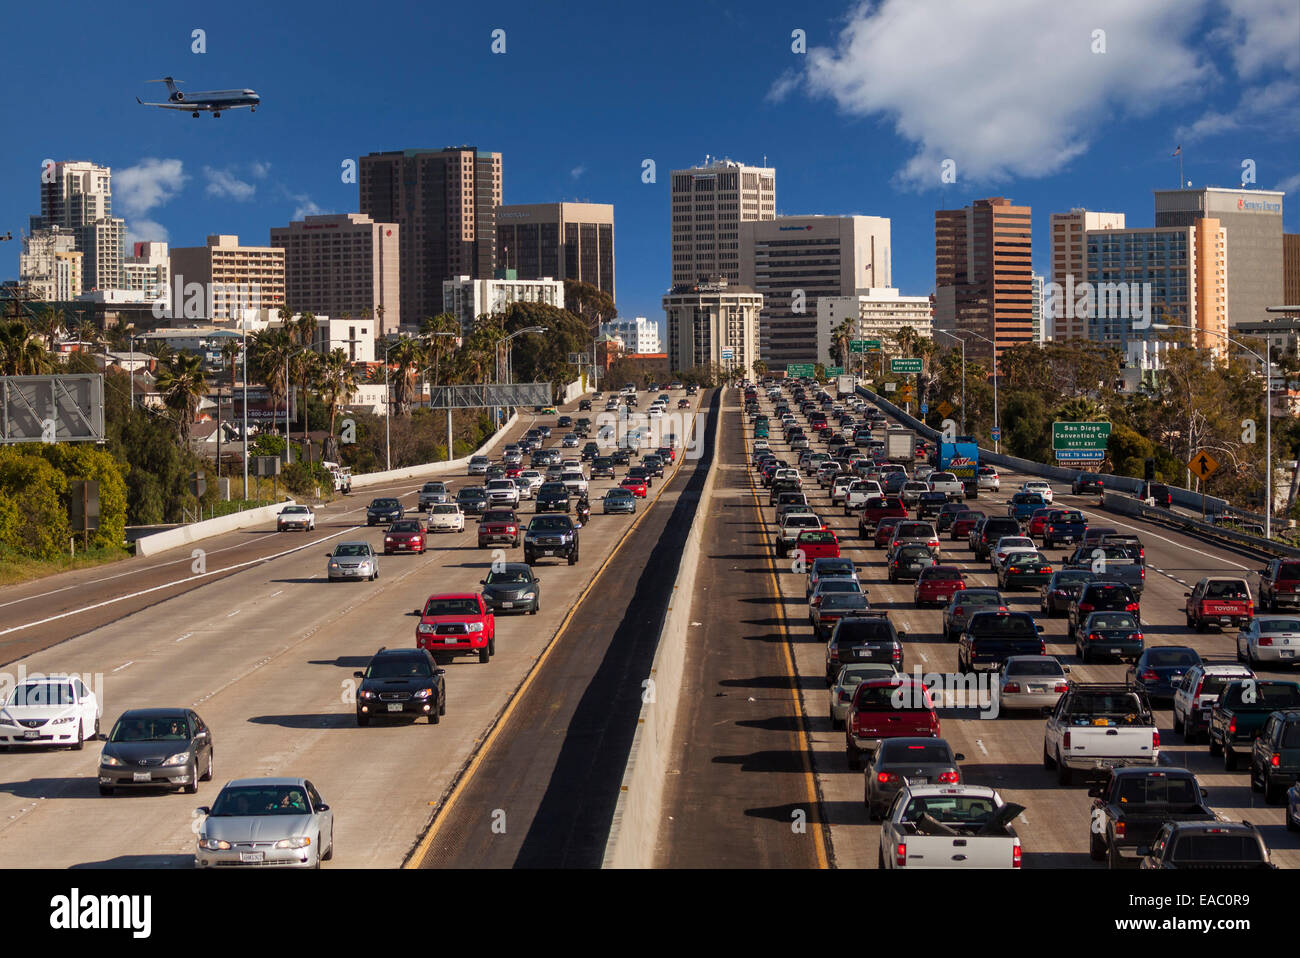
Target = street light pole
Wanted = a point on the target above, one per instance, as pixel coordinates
(244, 327)
(963, 376)
(388, 411)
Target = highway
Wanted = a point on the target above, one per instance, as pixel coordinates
(264, 651)
(1004, 753)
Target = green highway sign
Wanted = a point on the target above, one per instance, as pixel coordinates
(797, 370)
(863, 345)
(834, 370)
(1080, 436)
(905, 365)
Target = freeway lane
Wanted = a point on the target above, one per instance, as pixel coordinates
(35, 615)
(739, 779)
(544, 793)
(266, 656)
(1006, 752)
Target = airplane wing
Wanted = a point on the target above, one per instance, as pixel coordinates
(169, 106)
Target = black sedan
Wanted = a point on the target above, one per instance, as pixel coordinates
(472, 500)
(401, 683)
(1055, 596)
(164, 747)
(514, 588)
(1160, 669)
(383, 511)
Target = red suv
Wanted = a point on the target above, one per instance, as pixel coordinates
(456, 623)
(818, 544)
(888, 708)
(499, 525)
(937, 585)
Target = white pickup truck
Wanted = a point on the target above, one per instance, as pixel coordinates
(858, 493)
(1098, 727)
(948, 484)
(949, 826)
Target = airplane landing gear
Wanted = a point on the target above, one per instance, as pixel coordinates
(216, 114)
(195, 114)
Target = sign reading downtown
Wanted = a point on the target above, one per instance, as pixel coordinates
(905, 366)
(1080, 440)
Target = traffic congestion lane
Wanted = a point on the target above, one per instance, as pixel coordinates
(739, 791)
(1006, 753)
(41, 612)
(266, 657)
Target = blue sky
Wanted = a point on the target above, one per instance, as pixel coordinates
(1018, 93)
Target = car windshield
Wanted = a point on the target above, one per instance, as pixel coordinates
(894, 697)
(1218, 848)
(1088, 706)
(1034, 667)
(951, 809)
(1268, 695)
(352, 549)
(1112, 620)
(445, 510)
(617, 493)
(912, 553)
(942, 573)
(463, 606)
(500, 484)
(1158, 789)
(405, 526)
(498, 515)
(399, 667)
(42, 693)
(384, 504)
(471, 492)
(972, 597)
(434, 487)
(294, 511)
(1002, 624)
(550, 524)
(827, 586)
(970, 515)
(157, 728)
(1068, 517)
(1172, 658)
(1067, 576)
(260, 800)
(509, 577)
(894, 753)
(839, 602)
(1279, 625)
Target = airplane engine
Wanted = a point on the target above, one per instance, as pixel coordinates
(179, 95)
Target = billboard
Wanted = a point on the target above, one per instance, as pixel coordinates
(262, 408)
(489, 395)
(52, 408)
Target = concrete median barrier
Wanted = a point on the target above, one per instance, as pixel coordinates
(634, 831)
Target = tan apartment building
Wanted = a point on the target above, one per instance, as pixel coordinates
(712, 323)
(709, 202)
(1069, 259)
(984, 275)
(343, 265)
(233, 277)
(444, 203)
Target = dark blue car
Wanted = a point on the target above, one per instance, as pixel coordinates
(1160, 669)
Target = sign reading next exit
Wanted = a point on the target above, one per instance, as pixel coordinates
(905, 366)
(1080, 435)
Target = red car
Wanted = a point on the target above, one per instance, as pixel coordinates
(877, 508)
(818, 544)
(514, 472)
(888, 708)
(965, 523)
(499, 525)
(1038, 522)
(636, 486)
(405, 535)
(885, 530)
(937, 585)
(456, 623)
(667, 452)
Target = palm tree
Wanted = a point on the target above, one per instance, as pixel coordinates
(271, 350)
(1082, 409)
(21, 351)
(840, 338)
(48, 324)
(406, 356)
(338, 384)
(437, 344)
(305, 363)
(183, 384)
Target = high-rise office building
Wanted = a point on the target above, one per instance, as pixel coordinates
(147, 271)
(877, 314)
(1069, 259)
(342, 264)
(709, 202)
(561, 240)
(638, 335)
(984, 274)
(50, 265)
(1042, 325)
(793, 261)
(467, 298)
(1252, 221)
(1290, 269)
(77, 196)
(444, 203)
(234, 278)
(1141, 278)
(712, 323)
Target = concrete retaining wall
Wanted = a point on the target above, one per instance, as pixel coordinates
(639, 812)
(431, 469)
(183, 535)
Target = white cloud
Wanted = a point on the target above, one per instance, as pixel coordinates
(150, 183)
(1269, 104)
(225, 185)
(145, 231)
(259, 170)
(1290, 185)
(1011, 90)
(306, 207)
(577, 171)
(1261, 35)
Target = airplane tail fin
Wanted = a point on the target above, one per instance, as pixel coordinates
(171, 87)
(140, 101)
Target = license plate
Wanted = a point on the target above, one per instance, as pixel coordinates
(252, 857)
(1114, 651)
(141, 777)
(546, 552)
(1287, 653)
(451, 640)
(31, 733)
(1225, 620)
(506, 605)
(394, 706)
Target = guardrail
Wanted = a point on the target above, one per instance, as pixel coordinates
(184, 535)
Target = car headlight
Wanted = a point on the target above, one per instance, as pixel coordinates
(180, 758)
(422, 694)
(333, 565)
(367, 694)
(214, 844)
(63, 720)
(110, 760)
(425, 628)
(474, 626)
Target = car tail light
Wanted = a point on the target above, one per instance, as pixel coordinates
(1199, 685)
(948, 778)
(1232, 726)
(1015, 856)
(835, 652)
(1094, 637)
(1149, 675)
(960, 610)
(1062, 687)
(1085, 607)
(1011, 687)
(1014, 568)
(898, 653)
(1121, 830)
(1250, 608)
(1046, 570)
(1155, 740)
(1065, 741)
(1042, 646)
(884, 778)
(900, 854)
(1276, 760)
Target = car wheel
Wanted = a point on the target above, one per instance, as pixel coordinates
(1064, 774)
(837, 725)
(80, 743)
(1048, 762)
(1229, 759)
(1096, 847)
(492, 646)
(1215, 748)
(1237, 649)
(880, 859)
(528, 557)
(442, 704)
(193, 786)
(1255, 786)
(1292, 825)
(207, 776)
(1250, 657)
(108, 790)
(573, 558)
(435, 715)
(1113, 860)
(483, 655)
(854, 757)
(329, 852)
(1189, 735)
(316, 862)
(95, 737)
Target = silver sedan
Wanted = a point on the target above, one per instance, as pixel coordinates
(280, 822)
(907, 761)
(1272, 639)
(1029, 682)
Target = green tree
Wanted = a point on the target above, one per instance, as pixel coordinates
(38, 491)
(183, 384)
